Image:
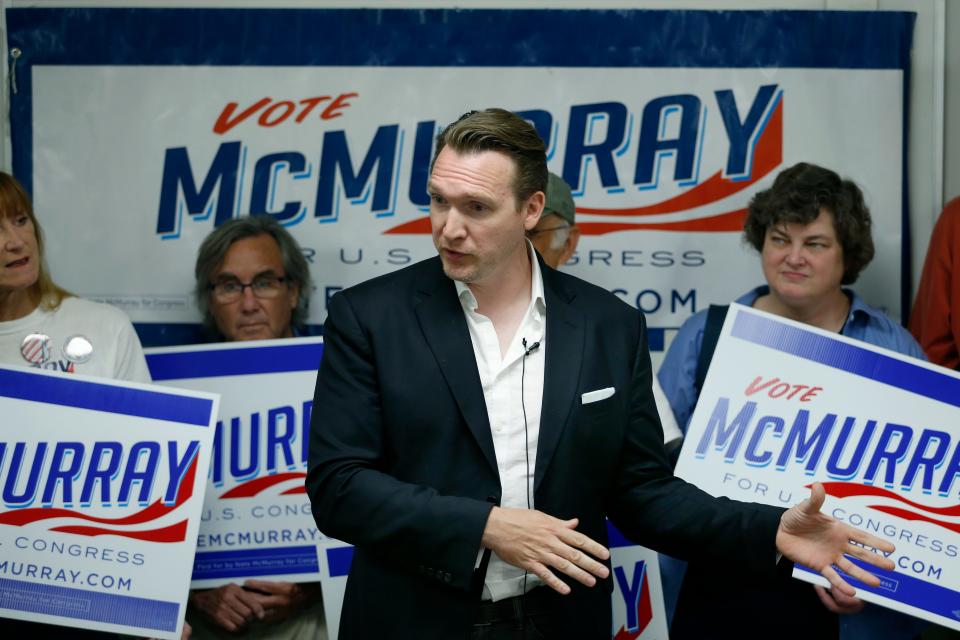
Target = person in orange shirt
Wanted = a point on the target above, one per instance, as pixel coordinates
(935, 319)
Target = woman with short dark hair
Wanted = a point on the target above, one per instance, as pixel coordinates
(812, 231)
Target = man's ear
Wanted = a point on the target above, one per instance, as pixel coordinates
(533, 209)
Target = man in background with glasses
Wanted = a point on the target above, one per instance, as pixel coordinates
(253, 283)
(556, 235)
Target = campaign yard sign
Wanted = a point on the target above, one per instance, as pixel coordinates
(102, 486)
(785, 405)
(256, 520)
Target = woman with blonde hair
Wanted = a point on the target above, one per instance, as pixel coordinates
(43, 325)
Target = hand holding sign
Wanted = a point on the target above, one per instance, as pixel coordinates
(820, 542)
(837, 602)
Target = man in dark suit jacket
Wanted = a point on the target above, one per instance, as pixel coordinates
(430, 379)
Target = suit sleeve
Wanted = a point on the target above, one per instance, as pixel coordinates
(353, 498)
(658, 510)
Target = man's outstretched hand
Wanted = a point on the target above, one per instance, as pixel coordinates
(818, 541)
(539, 543)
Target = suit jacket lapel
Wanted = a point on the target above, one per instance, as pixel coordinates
(445, 329)
(565, 344)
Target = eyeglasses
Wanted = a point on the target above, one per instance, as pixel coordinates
(231, 290)
(534, 232)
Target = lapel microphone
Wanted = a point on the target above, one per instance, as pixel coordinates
(531, 348)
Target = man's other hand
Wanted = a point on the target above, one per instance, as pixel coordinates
(279, 599)
(539, 543)
(231, 606)
(822, 543)
(837, 602)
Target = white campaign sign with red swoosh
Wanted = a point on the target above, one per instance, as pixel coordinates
(102, 486)
(669, 248)
(785, 405)
(256, 520)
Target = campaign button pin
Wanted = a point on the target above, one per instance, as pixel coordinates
(35, 348)
(77, 349)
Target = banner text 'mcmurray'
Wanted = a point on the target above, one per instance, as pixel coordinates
(102, 472)
(597, 138)
(844, 447)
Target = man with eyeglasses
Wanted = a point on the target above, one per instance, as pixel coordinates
(253, 283)
(556, 235)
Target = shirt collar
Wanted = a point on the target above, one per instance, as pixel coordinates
(857, 306)
(537, 299)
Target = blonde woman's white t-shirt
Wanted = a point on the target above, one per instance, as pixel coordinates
(116, 348)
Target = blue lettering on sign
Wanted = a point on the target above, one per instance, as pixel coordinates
(581, 147)
(655, 145)
(335, 160)
(743, 135)
(806, 449)
(200, 203)
(365, 172)
(901, 456)
(75, 471)
(261, 443)
(265, 176)
(632, 590)
(848, 471)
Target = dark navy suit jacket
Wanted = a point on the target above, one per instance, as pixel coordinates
(402, 462)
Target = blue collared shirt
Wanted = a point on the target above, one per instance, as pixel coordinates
(679, 368)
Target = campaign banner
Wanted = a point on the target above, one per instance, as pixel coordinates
(325, 120)
(785, 405)
(256, 520)
(102, 488)
(637, 597)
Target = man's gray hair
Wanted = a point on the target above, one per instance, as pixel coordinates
(560, 233)
(214, 249)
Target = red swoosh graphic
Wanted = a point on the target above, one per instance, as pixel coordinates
(174, 533)
(295, 491)
(852, 489)
(257, 485)
(730, 221)
(155, 511)
(768, 156)
(906, 514)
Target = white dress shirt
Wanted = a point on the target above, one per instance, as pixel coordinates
(512, 387)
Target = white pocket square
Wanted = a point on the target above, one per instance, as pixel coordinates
(596, 396)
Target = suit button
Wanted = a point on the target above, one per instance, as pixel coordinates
(447, 577)
(430, 571)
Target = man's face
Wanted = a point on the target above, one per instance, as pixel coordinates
(476, 225)
(249, 317)
(803, 264)
(555, 239)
